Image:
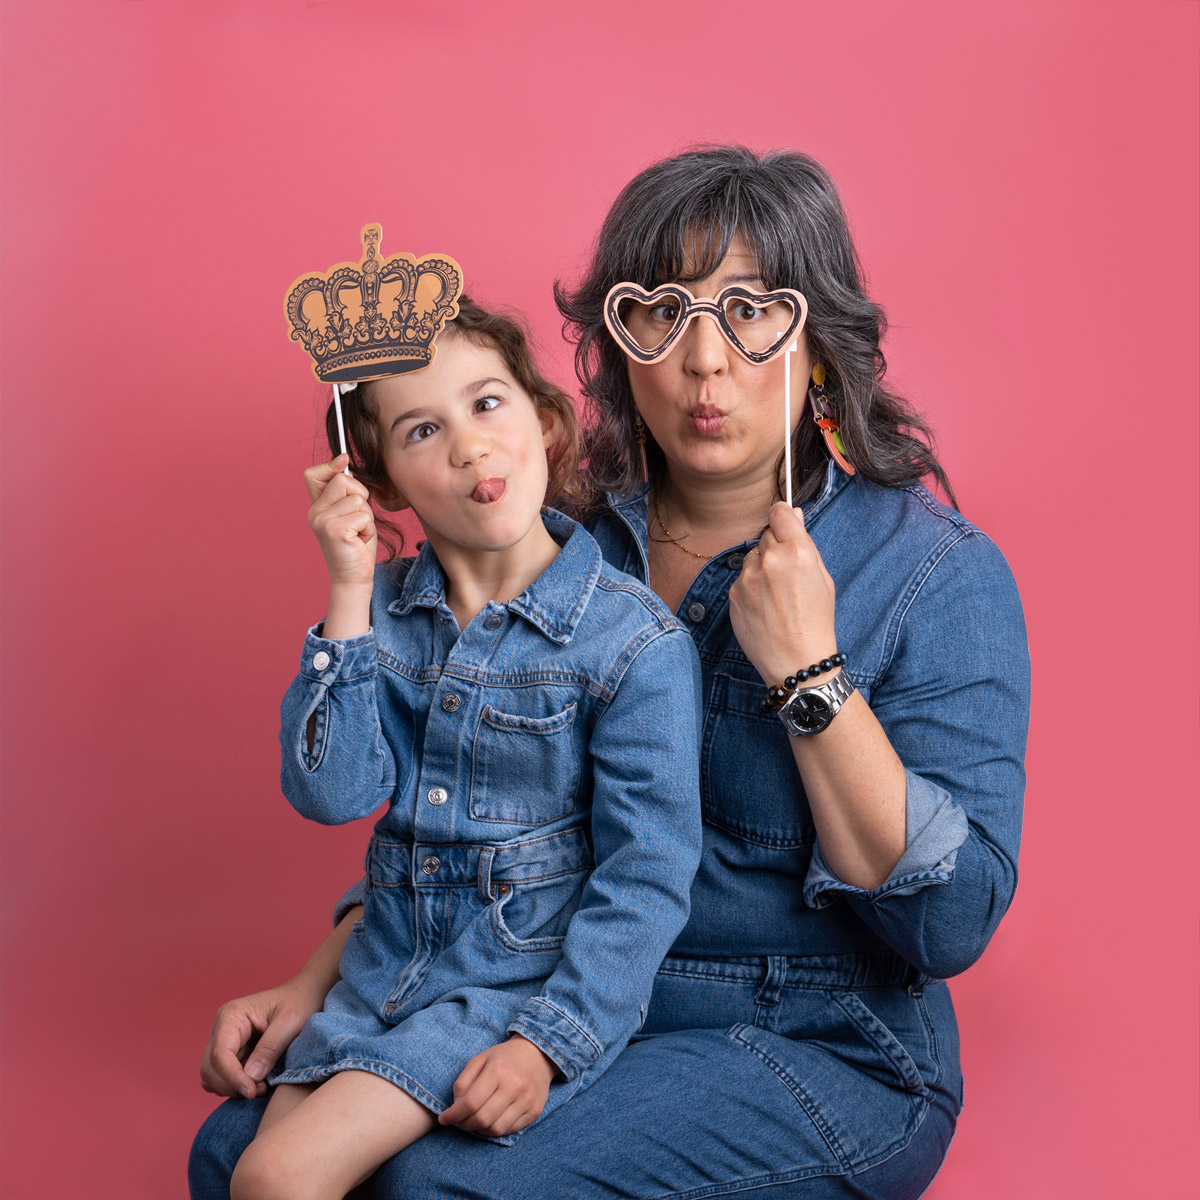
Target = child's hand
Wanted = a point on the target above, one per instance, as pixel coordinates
(343, 522)
(502, 1089)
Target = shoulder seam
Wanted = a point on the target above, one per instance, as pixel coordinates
(961, 532)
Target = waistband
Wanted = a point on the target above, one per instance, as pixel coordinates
(477, 864)
(865, 969)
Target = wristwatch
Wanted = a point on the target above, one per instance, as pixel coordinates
(809, 710)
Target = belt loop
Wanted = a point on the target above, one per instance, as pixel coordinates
(485, 872)
(771, 987)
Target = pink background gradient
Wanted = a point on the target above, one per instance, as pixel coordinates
(1022, 182)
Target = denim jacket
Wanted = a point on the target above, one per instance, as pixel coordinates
(559, 725)
(928, 612)
(929, 615)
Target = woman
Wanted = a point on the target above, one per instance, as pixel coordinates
(800, 1041)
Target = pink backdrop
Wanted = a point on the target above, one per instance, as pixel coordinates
(1022, 180)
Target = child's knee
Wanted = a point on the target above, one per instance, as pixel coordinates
(265, 1174)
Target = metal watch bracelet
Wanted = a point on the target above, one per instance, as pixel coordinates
(809, 710)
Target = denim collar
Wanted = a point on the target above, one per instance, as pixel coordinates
(553, 602)
(633, 506)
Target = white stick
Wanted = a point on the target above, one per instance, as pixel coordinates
(787, 418)
(337, 409)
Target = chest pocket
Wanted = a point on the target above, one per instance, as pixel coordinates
(749, 782)
(525, 770)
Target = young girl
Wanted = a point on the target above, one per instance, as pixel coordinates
(526, 713)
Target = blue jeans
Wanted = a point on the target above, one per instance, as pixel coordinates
(816, 1080)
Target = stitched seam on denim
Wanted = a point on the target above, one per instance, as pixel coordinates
(750, 1184)
(845, 972)
(515, 723)
(401, 986)
(591, 1041)
(480, 676)
(372, 1067)
(477, 758)
(714, 709)
(472, 883)
(935, 877)
(918, 581)
(546, 837)
(644, 638)
(800, 1093)
(532, 1034)
(312, 759)
(662, 617)
(934, 1046)
(895, 1054)
(922, 493)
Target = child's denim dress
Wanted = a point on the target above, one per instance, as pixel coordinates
(533, 867)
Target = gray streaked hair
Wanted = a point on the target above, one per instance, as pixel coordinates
(680, 215)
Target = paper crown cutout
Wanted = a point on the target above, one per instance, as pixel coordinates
(377, 318)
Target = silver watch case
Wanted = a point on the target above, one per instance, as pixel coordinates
(809, 710)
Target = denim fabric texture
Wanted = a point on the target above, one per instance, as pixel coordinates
(799, 1042)
(543, 821)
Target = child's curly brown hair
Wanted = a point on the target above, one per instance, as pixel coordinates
(507, 334)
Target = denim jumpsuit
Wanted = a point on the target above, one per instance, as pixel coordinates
(800, 1041)
(543, 821)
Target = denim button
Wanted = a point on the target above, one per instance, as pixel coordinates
(695, 612)
(734, 561)
(493, 621)
(450, 702)
(437, 795)
(430, 865)
(320, 660)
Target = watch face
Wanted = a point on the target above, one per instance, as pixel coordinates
(809, 711)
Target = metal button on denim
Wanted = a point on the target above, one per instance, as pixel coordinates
(734, 561)
(695, 612)
(320, 660)
(437, 795)
(430, 865)
(493, 621)
(451, 702)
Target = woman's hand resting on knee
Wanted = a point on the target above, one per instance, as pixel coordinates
(250, 1034)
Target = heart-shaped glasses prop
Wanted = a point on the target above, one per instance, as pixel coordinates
(760, 326)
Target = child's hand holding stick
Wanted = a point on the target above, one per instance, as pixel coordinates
(344, 525)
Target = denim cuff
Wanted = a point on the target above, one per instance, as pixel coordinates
(936, 827)
(558, 1037)
(325, 660)
(356, 893)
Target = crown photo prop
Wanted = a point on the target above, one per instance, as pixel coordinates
(372, 320)
(375, 319)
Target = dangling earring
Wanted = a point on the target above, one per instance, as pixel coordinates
(824, 420)
(639, 428)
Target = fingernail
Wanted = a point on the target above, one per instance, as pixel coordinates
(257, 1071)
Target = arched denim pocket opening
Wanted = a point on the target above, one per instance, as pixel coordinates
(534, 914)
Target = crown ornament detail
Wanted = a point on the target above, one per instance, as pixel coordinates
(375, 319)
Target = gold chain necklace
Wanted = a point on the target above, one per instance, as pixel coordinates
(677, 541)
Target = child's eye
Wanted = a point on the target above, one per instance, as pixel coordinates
(486, 403)
(419, 433)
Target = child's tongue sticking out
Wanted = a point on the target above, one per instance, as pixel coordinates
(488, 491)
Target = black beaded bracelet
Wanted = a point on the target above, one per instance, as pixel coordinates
(777, 696)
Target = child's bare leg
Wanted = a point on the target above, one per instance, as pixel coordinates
(283, 1099)
(331, 1141)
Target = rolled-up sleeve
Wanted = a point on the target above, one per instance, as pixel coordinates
(954, 702)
